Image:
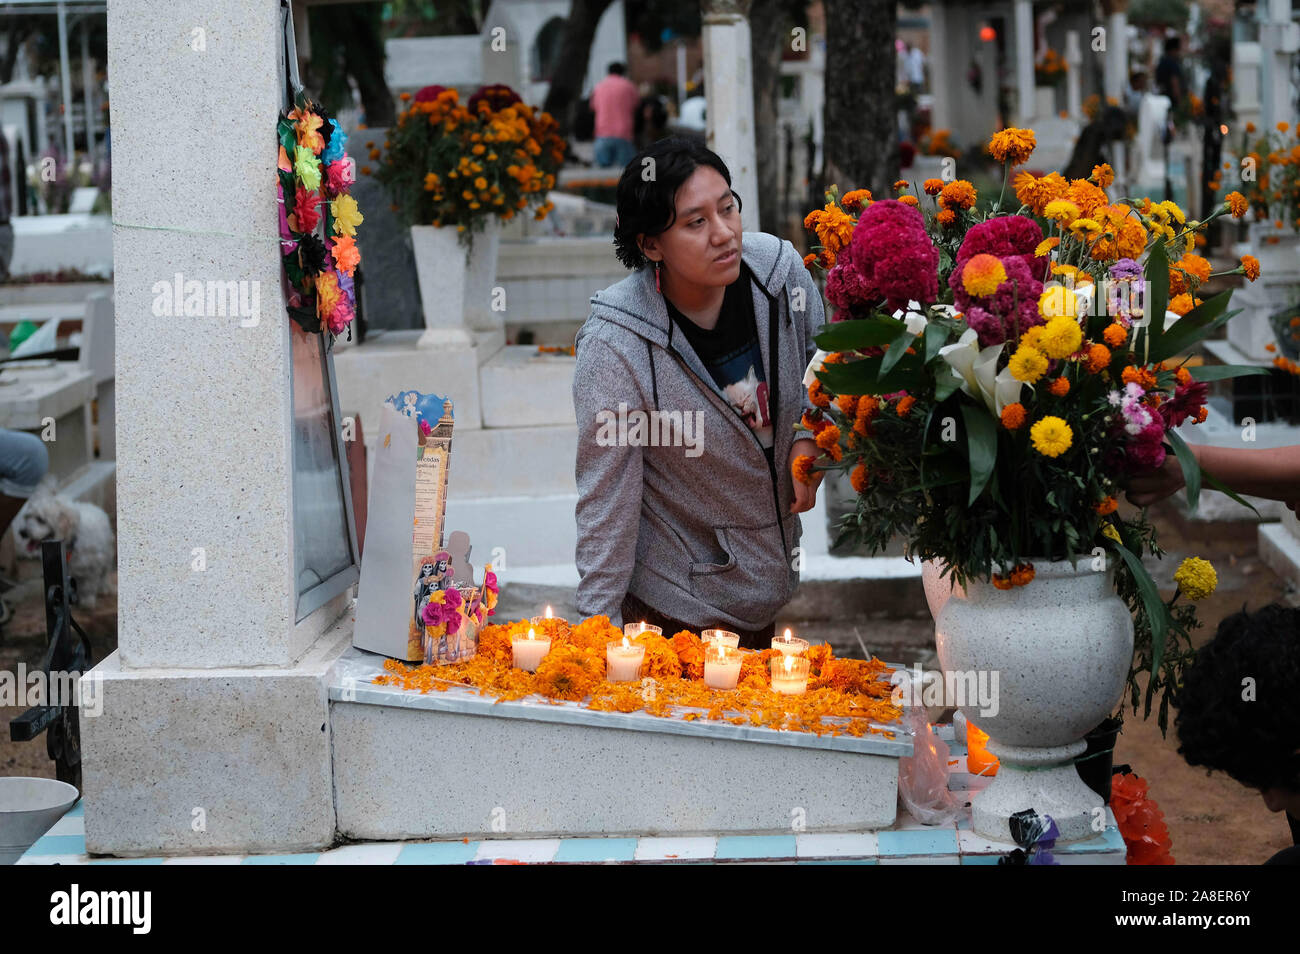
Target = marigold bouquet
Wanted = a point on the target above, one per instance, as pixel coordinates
(1274, 190)
(451, 164)
(991, 379)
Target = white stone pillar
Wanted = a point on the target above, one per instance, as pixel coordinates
(1115, 66)
(65, 82)
(214, 705)
(940, 77)
(1279, 42)
(729, 90)
(1073, 81)
(1024, 40)
(88, 91)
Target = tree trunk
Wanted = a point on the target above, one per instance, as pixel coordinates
(861, 138)
(363, 55)
(575, 53)
(769, 36)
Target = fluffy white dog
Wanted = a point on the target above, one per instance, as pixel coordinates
(85, 531)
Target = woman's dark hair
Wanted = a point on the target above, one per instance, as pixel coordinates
(649, 206)
(1239, 705)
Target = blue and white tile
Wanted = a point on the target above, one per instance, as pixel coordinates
(529, 851)
(205, 860)
(733, 847)
(837, 845)
(676, 849)
(595, 850)
(919, 860)
(934, 841)
(368, 854)
(437, 853)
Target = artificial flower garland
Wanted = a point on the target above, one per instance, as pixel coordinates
(318, 219)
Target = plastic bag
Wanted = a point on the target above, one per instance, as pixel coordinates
(923, 776)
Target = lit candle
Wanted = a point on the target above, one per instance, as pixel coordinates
(528, 652)
(790, 645)
(538, 621)
(721, 666)
(790, 674)
(633, 630)
(979, 760)
(722, 636)
(623, 661)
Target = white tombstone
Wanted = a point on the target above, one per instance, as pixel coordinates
(728, 86)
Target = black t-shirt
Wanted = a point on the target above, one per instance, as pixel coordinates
(731, 354)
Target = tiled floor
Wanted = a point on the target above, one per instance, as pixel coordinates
(907, 842)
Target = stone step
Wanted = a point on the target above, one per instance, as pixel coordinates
(520, 388)
(513, 462)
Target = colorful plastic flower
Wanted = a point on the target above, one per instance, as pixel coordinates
(345, 253)
(346, 215)
(306, 167)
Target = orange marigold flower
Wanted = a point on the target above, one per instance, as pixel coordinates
(932, 186)
(1115, 334)
(854, 200)
(1001, 582)
(828, 437)
(904, 405)
(1201, 413)
(1143, 376)
(1012, 145)
(817, 394)
(1046, 245)
(1098, 358)
(983, 275)
(909, 200)
(900, 185)
(1022, 575)
(1237, 204)
(1103, 175)
(959, 194)
(1107, 506)
(848, 404)
(1183, 376)
(835, 357)
(1060, 386)
(1250, 267)
(946, 217)
(809, 259)
(1182, 304)
(815, 422)
(1013, 416)
(858, 478)
(802, 469)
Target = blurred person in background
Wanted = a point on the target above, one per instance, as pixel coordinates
(615, 102)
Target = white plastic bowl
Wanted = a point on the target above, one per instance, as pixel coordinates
(29, 807)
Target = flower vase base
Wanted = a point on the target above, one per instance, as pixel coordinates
(1045, 780)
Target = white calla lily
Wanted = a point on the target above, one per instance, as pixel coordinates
(978, 370)
(1084, 295)
(961, 357)
(914, 318)
(815, 365)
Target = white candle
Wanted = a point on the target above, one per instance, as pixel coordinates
(790, 645)
(790, 675)
(723, 636)
(537, 621)
(528, 652)
(633, 630)
(623, 661)
(721, 666)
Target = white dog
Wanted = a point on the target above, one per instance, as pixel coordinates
(85, 531)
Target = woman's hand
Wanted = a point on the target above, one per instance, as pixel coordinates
(805, 495)
(1160, 483)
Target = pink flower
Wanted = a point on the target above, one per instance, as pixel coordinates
(1004, 236)
(339, 176)
(342, 315)
(306, 213)
(425, 427)
(1187, 400)
(1007, 313)
(893, 256)
(490, 581)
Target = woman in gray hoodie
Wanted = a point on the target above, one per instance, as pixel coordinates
(688, 392)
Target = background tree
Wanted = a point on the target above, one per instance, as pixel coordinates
(770, 25)
(861, 135)
(575, 54)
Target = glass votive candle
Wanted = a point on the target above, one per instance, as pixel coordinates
(623, 660)
(633, 630)
(722, 637)
(721, 666)
(790, 645)
(790, 674)
(546, 617)
(527, 652)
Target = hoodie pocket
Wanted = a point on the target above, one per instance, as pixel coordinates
(755, 580)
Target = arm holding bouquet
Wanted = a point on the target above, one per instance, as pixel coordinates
(1270, 473)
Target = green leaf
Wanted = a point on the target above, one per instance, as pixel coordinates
(1191, 469)
(1151, 602)
(897, 349)
(1157, 301)
(1209, 479)
(936, 336)
(982, 446)
(1193, 327)
(1220, 372)
(865, 376)
(858, 333)
(945, 385)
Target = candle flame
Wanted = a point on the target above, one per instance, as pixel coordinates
(787, 637)
(627, 643)
(548, 612)
(531, 634)
(789, 662)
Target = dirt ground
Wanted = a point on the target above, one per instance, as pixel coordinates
(1211, 819)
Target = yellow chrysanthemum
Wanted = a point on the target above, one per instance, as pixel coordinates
(1051, 436)
(1061, 338)
(1031, 337)
(346, 215)
(1196, 578)
(1109, 531)
(1027, 364)
(1175, 213)
(1086, 230)
(1057, 300)
(1046, 245)
(1061, 210)
(982, 275)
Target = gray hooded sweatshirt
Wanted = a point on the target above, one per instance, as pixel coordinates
(677, 503)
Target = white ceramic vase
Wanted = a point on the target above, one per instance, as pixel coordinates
(456, 285)
(1056, 654)
(937, 588)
